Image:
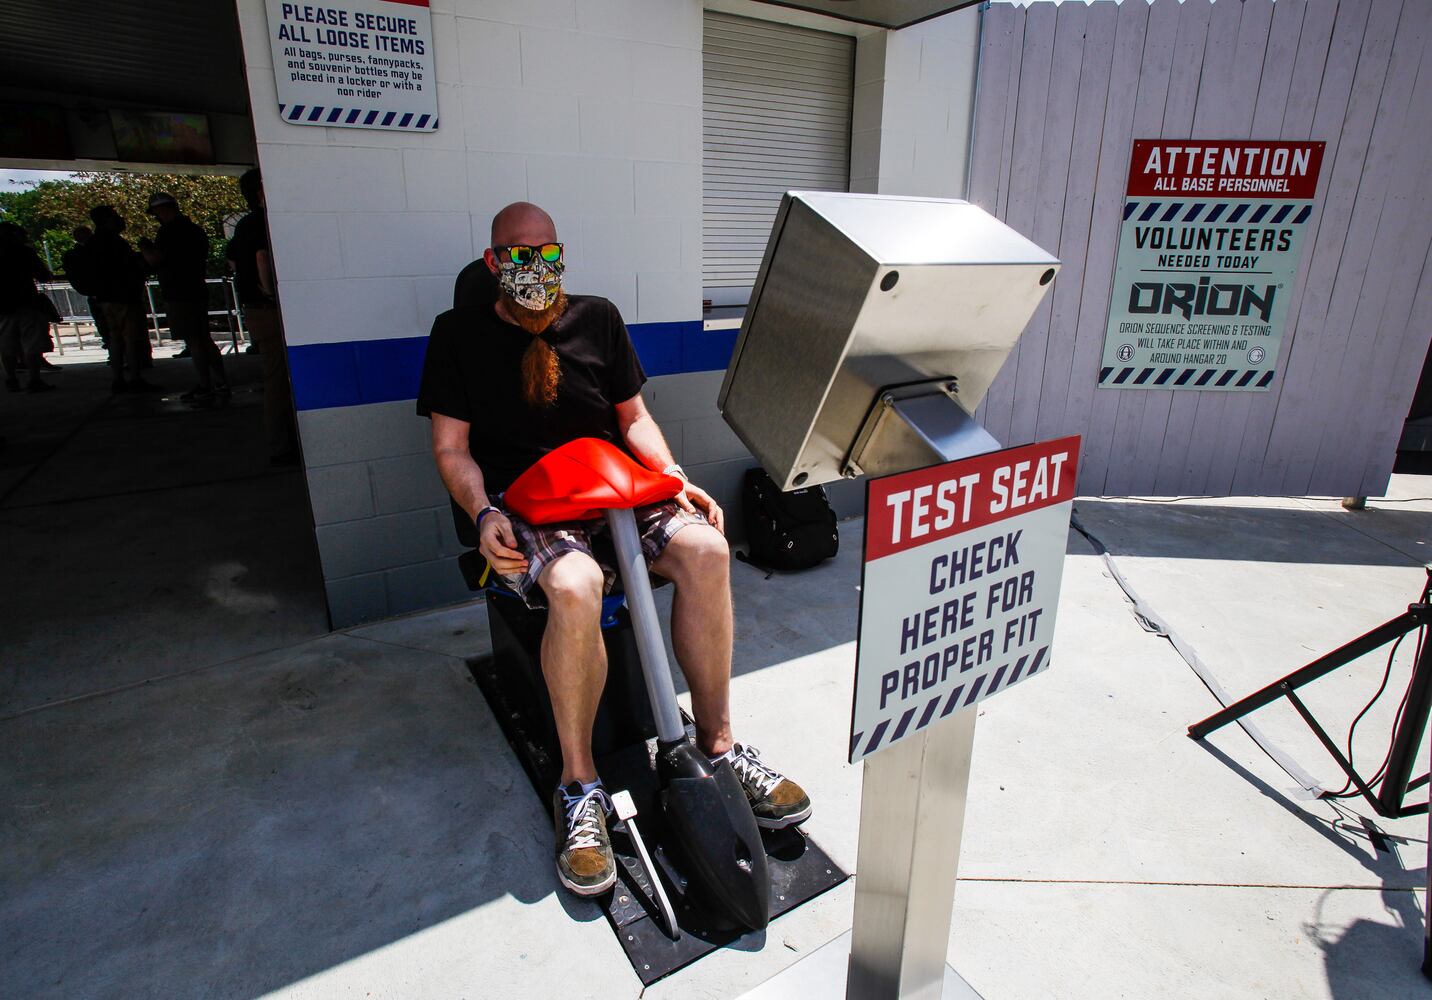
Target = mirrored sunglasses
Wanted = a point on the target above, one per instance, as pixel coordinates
(522, 255)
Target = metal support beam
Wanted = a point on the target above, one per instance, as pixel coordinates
(912, 814)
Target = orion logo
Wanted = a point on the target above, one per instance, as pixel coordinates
(1126, 351)
(1256, 356)
(1202, 299)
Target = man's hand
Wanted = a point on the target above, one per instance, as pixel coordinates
(499, 544)
(695, 499)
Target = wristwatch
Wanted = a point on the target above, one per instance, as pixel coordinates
(489, 509)
(675, 470)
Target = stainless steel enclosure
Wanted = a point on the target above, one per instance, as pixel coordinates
(860, 293)
(875, 328)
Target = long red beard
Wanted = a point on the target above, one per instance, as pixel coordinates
(541, 368)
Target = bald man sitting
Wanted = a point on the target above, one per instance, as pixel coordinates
(504, 384)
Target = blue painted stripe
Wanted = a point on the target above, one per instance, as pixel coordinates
(1129, 209)
(1194, 212)
(1282, 214)
(1173, 211)
(929, 713)
(404, 121)
(1038, 662)
(1018, 669)
(1258, 214)
(423, 121)
(953, 703)
(355, 372)
(353, 115)
(876, 737)
(1149, 212)
(904, 724)
(1303, 215)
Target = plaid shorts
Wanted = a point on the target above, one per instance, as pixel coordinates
(541, 543)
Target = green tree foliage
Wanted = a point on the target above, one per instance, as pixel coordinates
(48, 211)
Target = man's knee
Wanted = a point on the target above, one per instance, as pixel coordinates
(572, 582)
(697, 551)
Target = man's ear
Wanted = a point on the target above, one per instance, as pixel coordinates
(490, 258)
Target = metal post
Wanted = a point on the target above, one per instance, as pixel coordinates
(912, 814)
(646, 627)
(231, 294)
(153, 313)
(1408, 736)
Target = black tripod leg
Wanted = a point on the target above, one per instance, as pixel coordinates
(1408, 737)
(1325, 664)
(1332, 748)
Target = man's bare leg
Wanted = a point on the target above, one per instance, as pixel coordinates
(698, 561)
(574, 660)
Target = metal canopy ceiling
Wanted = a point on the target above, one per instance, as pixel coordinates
(185, 56)
(179, 55)
(881, 13)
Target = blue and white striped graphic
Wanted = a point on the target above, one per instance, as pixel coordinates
(1187, 378)
(304, 114)
(1235, 212)
(1201, 291)
(961, 697)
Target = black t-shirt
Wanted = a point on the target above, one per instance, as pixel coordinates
(249, 238)
(473, 372)
(20, 268)
(116, 268)
(183, 259)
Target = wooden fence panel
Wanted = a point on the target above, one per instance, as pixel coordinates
(1098, 421)
(1049, 210)
(1391, 180)
(1063, 93)
(1059, 383)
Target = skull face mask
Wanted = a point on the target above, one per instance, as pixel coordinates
(533, 284)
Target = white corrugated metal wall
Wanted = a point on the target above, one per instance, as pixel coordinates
(776, 116)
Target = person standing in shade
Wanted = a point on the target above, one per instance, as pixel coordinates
(24, 320)
(117, 277)
(248, 255)
(179, 255)
(77, 272)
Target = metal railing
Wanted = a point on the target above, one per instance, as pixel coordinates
(75, 312)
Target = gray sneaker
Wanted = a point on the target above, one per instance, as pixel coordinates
(777, 801)
(584, 850)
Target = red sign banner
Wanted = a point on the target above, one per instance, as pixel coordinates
(1225, 168)
(916, 508)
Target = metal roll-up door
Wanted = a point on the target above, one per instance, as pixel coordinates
(776, 113)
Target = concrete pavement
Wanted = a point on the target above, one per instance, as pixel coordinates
(340, 817)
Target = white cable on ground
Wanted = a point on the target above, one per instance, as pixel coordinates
(1150, 621)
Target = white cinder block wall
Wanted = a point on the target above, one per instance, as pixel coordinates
(591, 108)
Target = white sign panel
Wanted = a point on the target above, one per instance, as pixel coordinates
(1213, 231)
(963, 563)
(355, 64)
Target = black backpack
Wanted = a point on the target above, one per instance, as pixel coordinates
(794, 530)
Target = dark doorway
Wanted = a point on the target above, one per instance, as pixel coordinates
(142, 533)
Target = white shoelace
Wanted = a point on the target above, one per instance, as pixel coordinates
(749, 768)
(583, 820)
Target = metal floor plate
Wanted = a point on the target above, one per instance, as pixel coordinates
(799, 869)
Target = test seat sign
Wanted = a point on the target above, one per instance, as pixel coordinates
(963, 563)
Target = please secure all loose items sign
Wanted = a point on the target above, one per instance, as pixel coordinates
(1209, 247)
(355, 64)
(963, 563)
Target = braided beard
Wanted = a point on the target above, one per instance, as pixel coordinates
(541, 368)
